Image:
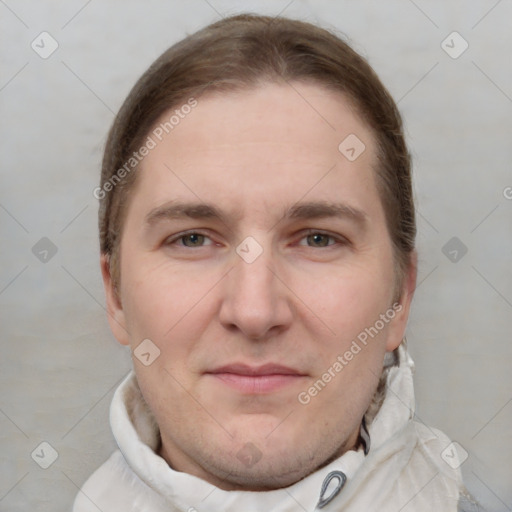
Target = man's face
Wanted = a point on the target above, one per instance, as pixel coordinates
(253, 254)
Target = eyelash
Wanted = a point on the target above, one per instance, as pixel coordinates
(339, 240)
(180, 236)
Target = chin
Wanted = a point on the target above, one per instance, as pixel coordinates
(269, 464)
(267, 476)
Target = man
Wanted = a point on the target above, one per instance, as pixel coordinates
(257, 236)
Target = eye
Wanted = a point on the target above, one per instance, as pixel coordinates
(319, 239)
(191, 239)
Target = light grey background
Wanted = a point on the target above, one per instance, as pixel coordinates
(59, 362)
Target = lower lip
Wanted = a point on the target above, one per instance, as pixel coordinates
(256, 384)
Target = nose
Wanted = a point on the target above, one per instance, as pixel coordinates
(256, 301)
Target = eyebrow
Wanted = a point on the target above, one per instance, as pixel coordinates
(322, 209)
(178, 210)
(299, 211)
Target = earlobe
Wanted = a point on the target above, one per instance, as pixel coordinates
(115, 312)
(397, 328)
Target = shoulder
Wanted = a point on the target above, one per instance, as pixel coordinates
(447, 456)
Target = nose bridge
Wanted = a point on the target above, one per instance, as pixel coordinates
(254, 282)
(254, 301)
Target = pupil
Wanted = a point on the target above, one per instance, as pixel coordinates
(194, 239)
(319, 239)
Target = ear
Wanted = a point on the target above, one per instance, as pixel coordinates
(399, 323)
(116, 317)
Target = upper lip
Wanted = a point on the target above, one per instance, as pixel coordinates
(266, 369)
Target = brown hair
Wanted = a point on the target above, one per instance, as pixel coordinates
(244, 51)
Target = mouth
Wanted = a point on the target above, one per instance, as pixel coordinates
(255, 380)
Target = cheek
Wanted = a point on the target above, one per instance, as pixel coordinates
(161, 299)
(146, 283)
(345, 300)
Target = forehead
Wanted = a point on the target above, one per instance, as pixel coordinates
(270, 144)
(296, 111)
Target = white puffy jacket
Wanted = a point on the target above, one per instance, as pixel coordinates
(408, 467)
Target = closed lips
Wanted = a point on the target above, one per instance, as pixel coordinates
(256, 371)
(251, 380)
